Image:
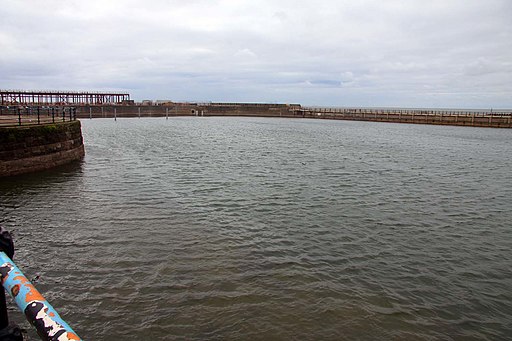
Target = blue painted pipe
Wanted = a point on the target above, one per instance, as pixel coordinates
(49, 325)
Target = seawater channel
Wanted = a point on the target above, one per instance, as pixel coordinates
(205, 228)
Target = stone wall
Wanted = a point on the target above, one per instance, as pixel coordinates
(186, 109)
(296, 111)
(28, 149)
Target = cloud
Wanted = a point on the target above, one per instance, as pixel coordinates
(364, 53)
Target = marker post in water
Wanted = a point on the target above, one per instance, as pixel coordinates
(48, 323)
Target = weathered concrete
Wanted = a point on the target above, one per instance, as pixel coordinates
(456, 118)
(186, 109)
(28, 149)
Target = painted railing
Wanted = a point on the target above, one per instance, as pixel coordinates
(47, 322)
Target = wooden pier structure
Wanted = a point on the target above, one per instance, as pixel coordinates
(23, 97)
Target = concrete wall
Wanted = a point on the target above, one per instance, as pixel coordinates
(295, 110)
(33, 148)
(185, 109)
(447, 118)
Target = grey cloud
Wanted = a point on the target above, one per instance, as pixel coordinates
(368, 53)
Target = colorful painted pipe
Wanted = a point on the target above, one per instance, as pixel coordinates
(49, 325)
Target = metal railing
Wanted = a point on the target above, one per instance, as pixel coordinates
(426, 112)
(47, 322)
(30, 115)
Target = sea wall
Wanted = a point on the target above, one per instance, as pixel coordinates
(455, 118)
(187, 109)
(28, 149)
(459, 118)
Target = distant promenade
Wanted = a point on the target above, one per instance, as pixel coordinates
(20, 107)
(415, 116)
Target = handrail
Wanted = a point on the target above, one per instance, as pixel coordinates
(37, 310)
(28, 115)
(372, 111)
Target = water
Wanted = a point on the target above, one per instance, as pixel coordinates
(256, 228)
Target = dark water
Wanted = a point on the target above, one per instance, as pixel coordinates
(253, 228)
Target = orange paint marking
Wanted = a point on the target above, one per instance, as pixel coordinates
(72, 336)
(22, 279)
(33, 294)
(51, 314)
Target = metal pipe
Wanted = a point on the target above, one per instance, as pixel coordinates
(48, 323)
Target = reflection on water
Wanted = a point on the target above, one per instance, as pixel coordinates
(254, 228)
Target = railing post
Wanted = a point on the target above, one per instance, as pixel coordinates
(19, 116)
(38, 116)
(53, 115)
(63, 114)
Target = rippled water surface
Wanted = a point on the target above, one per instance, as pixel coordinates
(256, 228)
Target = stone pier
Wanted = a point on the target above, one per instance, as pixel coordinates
(26, 149)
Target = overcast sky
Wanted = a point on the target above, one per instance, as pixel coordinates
(402, 53)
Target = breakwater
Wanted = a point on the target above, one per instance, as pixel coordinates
(415, 116)
(189, 109)
(26, 149)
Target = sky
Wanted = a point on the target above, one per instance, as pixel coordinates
(364, 53)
